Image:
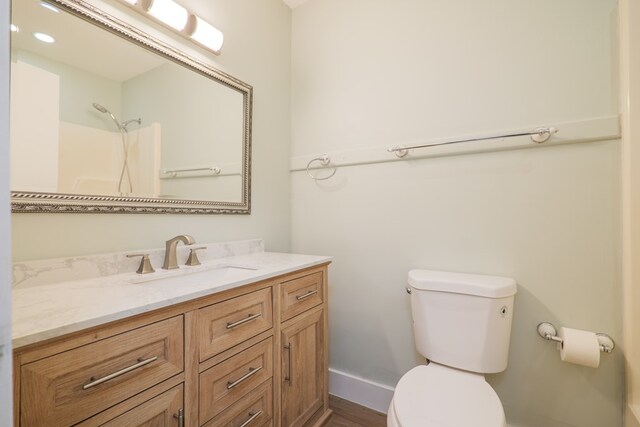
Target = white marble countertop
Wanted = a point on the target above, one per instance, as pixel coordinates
(46, 311)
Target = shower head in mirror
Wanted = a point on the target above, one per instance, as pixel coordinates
(121, 126)
(102, 109)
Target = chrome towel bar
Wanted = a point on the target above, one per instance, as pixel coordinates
(538, 135)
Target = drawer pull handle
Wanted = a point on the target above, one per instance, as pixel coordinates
(249, 318)
(141, 362)
(252, 416)
(252, 372)
(307, 295)
(180, 417)
(289, 377)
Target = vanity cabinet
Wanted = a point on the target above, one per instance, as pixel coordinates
(251, 356)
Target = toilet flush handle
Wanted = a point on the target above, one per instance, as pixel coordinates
(408, 289)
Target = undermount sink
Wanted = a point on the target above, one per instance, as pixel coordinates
(211, 275)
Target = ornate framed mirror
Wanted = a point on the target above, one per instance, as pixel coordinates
(108, 119)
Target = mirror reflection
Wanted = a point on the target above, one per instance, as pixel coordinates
(95, 114)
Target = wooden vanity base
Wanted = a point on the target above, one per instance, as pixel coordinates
(252, 356)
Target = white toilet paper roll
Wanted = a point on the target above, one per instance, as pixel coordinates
(579, 347)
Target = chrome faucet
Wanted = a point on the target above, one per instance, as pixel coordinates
(170, 257)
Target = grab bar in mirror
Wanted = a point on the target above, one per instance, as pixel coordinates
(175, 173)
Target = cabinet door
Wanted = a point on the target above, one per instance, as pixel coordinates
(303, 368)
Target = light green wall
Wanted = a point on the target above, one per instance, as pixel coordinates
(201, 126)
(257, 40)
(381, 73)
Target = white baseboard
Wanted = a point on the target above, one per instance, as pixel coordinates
(361, 391)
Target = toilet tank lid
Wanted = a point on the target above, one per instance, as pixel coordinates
(463, 283)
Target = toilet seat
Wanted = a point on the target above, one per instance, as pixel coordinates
(440, 396)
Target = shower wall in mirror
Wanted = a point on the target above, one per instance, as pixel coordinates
(105, 118)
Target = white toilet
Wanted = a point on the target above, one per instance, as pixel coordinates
(462, 325)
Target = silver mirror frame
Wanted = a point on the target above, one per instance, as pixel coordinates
(34, 202)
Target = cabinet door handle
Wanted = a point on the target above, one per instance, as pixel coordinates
(252, 416)
(180, 417)
(249, 318)
(140, 364)
(307, 295)
(252, 372)
(289, 377)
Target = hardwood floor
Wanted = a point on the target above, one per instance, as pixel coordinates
(349, 414)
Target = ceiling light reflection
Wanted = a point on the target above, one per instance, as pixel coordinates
(44, 37)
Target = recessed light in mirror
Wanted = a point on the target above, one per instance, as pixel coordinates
(50, 7)
(14, 28)
(44, 37)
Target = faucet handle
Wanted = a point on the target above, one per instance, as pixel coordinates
(145, 263)
(193, 257)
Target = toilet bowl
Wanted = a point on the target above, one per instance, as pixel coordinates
(462, 325)
(435, 395)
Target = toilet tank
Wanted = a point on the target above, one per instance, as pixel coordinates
(462, 320)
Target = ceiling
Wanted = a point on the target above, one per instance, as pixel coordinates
(94, 51)
(294, 3)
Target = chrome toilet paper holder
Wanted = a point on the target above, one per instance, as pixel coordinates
(549, 332)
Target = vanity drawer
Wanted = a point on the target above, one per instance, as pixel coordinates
(300, 294)
(228, 381)
(162, 410)
(71, 386)
(253, 410)
(230, 322)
